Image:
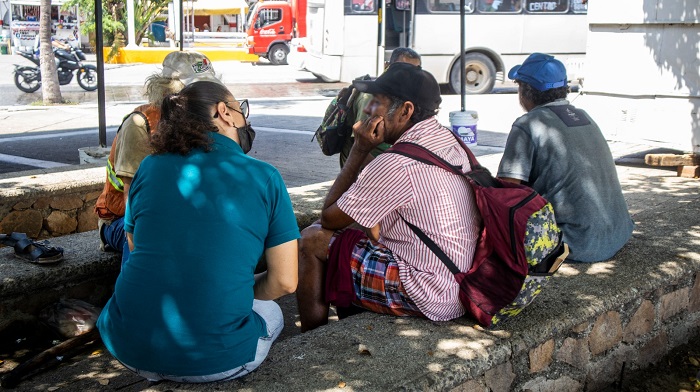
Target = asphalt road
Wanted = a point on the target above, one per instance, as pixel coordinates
(286, 107)
(284, 131)
(34, 136)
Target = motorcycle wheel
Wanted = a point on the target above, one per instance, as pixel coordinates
(27, 79)
(87, 77)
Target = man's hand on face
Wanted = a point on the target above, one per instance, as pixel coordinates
(368, 133)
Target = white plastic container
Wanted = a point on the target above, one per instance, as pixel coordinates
(463, 124)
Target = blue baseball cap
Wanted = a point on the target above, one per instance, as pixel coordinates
(541, 71)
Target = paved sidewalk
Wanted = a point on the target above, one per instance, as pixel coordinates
(656, 198)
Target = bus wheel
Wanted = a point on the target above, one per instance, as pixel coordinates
(480, 72)
(278, 54)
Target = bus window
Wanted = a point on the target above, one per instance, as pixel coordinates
(540, 6)
(449, 6)
(579, 6)
(500, 6)
(359, 7)
(402, 5)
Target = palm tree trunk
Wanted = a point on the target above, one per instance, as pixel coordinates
(50, 88)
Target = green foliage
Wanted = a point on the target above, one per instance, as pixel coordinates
(119, 42)
(147, 12)
(114, 18)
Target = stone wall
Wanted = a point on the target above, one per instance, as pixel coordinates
(46, 204)
(52, 203)
(52, 216)
(593, 355)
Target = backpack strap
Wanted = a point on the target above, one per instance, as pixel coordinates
(422, 154)
(433, 247)
(137, 113)
(345, 94)
(478, 174)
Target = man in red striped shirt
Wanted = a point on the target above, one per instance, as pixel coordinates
(385, 268)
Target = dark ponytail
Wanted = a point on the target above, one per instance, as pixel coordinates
(169, 106)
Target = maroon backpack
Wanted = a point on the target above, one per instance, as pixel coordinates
(519, 247)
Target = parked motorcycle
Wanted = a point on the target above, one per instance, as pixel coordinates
(68, 61)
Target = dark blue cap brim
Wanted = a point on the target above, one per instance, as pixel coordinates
(538, 85)
(513, 73)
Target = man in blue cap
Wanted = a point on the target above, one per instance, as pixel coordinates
(559, 151)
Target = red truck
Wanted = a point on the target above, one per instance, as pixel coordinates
(271, 26)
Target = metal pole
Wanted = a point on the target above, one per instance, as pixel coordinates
(182, 26)
(379, 64)
(462, 48)
(100, 74)
(404, 39)
(411, 36)
(192, 27)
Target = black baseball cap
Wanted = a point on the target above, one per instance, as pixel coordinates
(407, 82)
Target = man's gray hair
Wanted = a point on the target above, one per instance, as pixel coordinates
(158, 87)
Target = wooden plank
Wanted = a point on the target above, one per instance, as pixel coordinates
(689, 171)
(672, 160)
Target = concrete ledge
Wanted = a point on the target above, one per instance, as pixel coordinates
(50, 181)
(85, 273)
(589, 321)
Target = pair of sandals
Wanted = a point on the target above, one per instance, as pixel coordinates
(39, 252)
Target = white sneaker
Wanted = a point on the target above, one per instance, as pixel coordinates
(104, 246)
(101, 223)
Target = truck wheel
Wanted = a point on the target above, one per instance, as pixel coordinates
(278, 54)
(480, 72)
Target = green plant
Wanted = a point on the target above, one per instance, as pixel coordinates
(117, 43)
(114, 19)
(148, 12)
(112, 15)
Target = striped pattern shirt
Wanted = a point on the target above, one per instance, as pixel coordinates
(440, 203)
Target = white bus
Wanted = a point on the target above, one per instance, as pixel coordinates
(351, 38)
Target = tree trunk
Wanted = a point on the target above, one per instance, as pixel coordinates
(50, 88)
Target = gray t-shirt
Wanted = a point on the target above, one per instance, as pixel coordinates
(560, 152)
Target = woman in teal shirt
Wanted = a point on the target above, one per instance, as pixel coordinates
(187, 306)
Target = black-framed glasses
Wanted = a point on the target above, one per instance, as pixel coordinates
(243, 103)
(245, 109)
